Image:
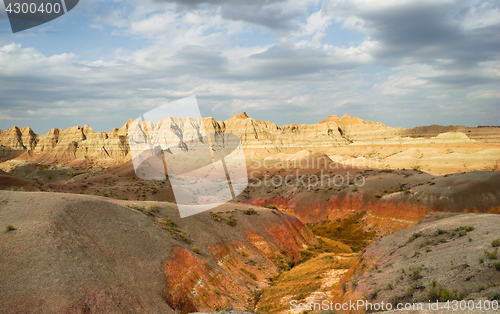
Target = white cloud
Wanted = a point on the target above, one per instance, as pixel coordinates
(17, 61)
(409, 62)
(484, 94)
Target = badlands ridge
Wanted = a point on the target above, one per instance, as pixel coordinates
(434, 149)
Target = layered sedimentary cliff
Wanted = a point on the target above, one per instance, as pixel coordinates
(451, 149)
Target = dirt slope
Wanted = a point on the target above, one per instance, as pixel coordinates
(390, 199)
(84, 254)
(444, 257)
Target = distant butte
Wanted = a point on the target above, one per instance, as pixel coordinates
(240, 116)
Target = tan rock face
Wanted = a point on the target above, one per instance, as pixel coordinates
(435, 149)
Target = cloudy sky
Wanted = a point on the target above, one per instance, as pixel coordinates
(400, 62)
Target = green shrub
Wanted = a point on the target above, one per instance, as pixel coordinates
(497, 266)
(436, 293)
(495, 243)
(215, 216)
(414, 236)
(152, 209)
(250, 211)
(185, 238)
(416, 273)
(169, 225)
(491, 255)
(231, 221)
(243, 253)
(9, 228)
(270, 206)
(196, 250)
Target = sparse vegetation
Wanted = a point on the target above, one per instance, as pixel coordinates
(491, 255)
(497, 266)
(414, 236)
(416, 273)
(465, 228)
(270, 206)
(196, 250)
(437, 293)
(169, 225)
(495, 243)
(216, 216)
(9, 228)
(300, 282)
(243, 253)
(152, 210)
(185, 238)
(250, 211)
(348, 231)
(231, 221)
(249, 273)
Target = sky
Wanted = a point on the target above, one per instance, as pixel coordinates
(403, 63)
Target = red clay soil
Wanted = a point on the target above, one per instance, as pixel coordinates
(392, 199)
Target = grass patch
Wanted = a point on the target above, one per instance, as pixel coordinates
(348, 231)
(299, 282)
(495, 243)
(325, 245)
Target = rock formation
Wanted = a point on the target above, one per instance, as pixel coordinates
(434, 149)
